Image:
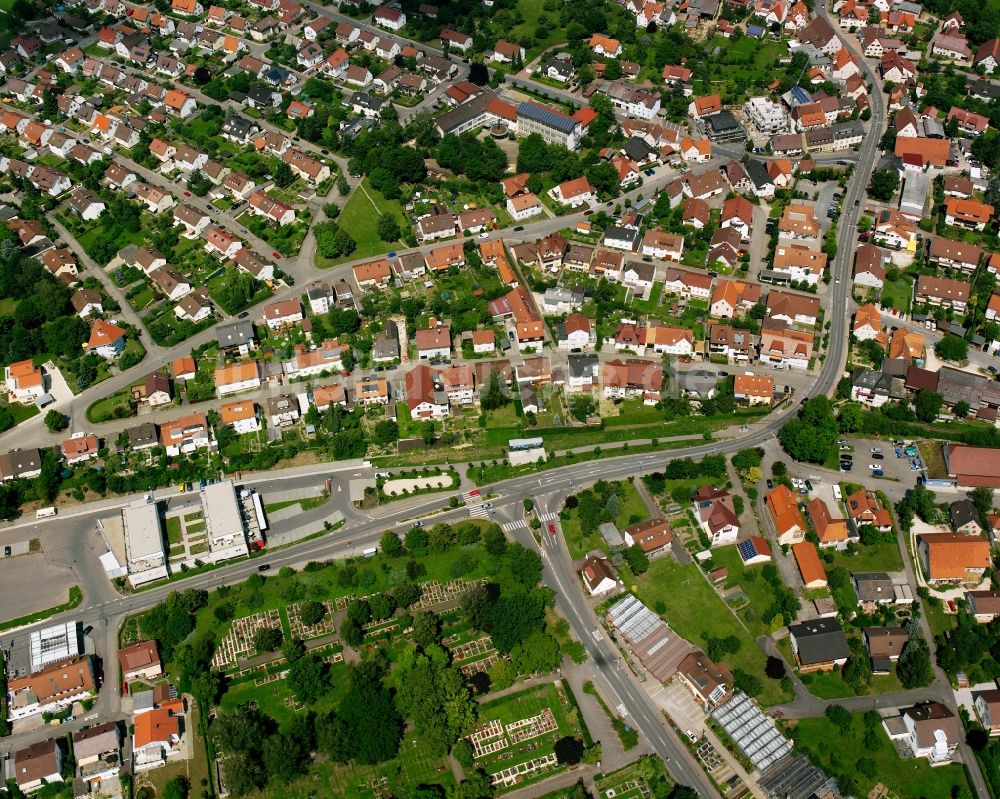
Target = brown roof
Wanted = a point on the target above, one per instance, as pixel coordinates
(35, 762)
(809, 564)
(140, 655)
(64, 678)
(784, 507)
(885, 642)
(651, 534)
(951, 555)
(595, 570)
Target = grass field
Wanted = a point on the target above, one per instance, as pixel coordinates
(758, 591)
(838, 754)
(632, 509)
(360, 219)
(685, 599)
(881, 557)
(897, 293)
(525, 705)
(108, 407)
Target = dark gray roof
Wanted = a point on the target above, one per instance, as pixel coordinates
(962, 512)
(544, 116)
(583, 364)
(985, 90)
(848, 130)
(873, 586)
(637, 149)
(956, 385)
(820, 641)
(757, 172)
(142, 435)
(369, 101)
(235, 333)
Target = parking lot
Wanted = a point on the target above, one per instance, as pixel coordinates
(677, 701)
(899, 464)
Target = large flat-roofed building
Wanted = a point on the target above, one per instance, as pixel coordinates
(553, 127)
(226, 533)
(145, 558)
(59, 642)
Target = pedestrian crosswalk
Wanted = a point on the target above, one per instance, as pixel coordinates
(478, 512)
(510, 527)
(472, 497)
(548, 517)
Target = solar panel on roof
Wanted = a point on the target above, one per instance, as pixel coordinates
(549, 118)
(746, 549)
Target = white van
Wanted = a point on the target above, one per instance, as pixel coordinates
(370, 552)
(837, 495)
(45, 513)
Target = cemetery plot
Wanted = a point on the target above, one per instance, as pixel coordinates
(633, 781)
(299, 629)
(515, 739)
(434, 593)
(237, 644)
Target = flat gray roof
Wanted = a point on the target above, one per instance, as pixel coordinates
(222, 511)
(143, 538)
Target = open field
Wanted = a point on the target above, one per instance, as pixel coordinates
(360, 219)
(838, 753)
(682, 596)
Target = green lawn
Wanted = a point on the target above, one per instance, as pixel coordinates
(682, 596)
(759, 593)
(360, 219)
(173, 530)
(830, 685)
(524, 705)
(632, 509)
(881, 557)
(838, 753)
(897, 293)
(114, 407)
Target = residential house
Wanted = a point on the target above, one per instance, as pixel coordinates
(830, 532)
(653, 536)
(750, 388)
(788, 521)
(885, 644)
(37, 765)
(283, 314)
(810, 567)
(186, 434)
(599, 575)
(949, 558)
(106, 339)
(715, 512)
(140, 661)
(819, 645)
(156, 738)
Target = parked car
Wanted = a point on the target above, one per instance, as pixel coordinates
(770, 483)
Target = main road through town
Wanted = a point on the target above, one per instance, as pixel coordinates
(106, 611)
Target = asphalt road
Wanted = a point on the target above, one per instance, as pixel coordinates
(105, 614)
